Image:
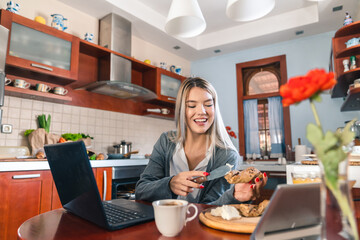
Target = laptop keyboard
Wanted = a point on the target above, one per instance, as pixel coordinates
(116, 214)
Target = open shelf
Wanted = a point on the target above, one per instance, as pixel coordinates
(352, 101)
(344, 80)
(351, 51)
(33, 94)
(351, 29)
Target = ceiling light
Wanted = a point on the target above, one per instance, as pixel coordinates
(248, 10)
(185, 19)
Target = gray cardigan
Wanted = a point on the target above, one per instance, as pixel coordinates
(154, 181)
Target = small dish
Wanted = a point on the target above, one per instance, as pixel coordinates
(352, 42)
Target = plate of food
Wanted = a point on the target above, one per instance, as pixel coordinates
(240, 218)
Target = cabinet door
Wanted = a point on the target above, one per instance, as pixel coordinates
(23, 195)
(164, 83)
(103, 180)
(168, 85)
(39, 48)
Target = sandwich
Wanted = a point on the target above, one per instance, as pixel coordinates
(244, 176)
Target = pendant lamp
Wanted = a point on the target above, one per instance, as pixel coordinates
(248, 10)
(185, 19)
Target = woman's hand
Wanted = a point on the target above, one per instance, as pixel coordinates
(249, 191)
(182, 185)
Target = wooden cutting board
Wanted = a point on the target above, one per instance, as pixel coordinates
(242, 225)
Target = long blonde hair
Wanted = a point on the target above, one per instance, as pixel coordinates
(216, 133)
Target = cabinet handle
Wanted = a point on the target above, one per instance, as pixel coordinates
(172, 99)
(42, 67)
(26, 176)
(105, 185)
(277, 174)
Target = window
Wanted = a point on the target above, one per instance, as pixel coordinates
(262, 82)
(264, 133)
(259, 81)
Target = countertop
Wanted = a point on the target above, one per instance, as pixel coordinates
(265, 166)
(43, 165)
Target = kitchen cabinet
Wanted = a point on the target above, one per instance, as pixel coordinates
(344, 79)
(103, 179)
(40, 51)
(84, 62)
(25, 194)
(165, 84)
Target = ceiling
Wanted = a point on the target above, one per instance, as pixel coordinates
(288, 17)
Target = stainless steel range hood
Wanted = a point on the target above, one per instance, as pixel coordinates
(115, 72)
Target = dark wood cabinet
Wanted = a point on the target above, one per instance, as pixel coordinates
(165, 84)
(86, 61)
(344, 79)
(39, 51)
(25, 194)
(103, 179)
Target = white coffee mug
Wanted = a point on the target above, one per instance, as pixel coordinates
(170, 215)
(21, 83)
(60, 91)
(42, 87)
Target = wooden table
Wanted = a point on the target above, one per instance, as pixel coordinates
(59, 224)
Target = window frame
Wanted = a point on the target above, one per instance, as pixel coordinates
(241, 91)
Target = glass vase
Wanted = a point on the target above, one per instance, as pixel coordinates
(337, 206)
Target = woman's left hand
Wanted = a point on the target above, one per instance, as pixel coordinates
(249, 191)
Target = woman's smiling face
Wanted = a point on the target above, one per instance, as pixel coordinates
(200, 110)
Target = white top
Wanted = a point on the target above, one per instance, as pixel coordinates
(179, 164)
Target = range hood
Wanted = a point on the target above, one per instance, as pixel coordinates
(115, 71)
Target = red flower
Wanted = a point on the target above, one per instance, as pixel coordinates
(231, 133)
(304, 87)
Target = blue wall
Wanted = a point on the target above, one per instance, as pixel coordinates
(302, 55)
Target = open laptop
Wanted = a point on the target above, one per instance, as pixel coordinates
(79, 194)
(293, 213)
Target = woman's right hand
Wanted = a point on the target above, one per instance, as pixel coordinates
(182, 185)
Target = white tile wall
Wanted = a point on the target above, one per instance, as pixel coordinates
(107, 128)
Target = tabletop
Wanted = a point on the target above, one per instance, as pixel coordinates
(60, 224)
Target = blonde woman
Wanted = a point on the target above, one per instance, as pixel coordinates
(199, 145)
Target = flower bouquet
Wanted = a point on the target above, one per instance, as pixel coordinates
(331, 148)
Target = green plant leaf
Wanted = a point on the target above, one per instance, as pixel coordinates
(314, 134)
(329, 141)
(316, 97)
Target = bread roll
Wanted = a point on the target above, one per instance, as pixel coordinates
(251, 210)
(244, 176)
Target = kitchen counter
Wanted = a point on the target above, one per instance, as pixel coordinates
(43, 165)
(353, 172)
(264, 166)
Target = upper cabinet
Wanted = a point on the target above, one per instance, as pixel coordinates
(345, 77)
(39, 51)
(165, 84)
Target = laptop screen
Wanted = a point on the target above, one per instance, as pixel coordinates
(75, 181)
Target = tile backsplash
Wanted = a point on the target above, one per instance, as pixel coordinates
(107, 128)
